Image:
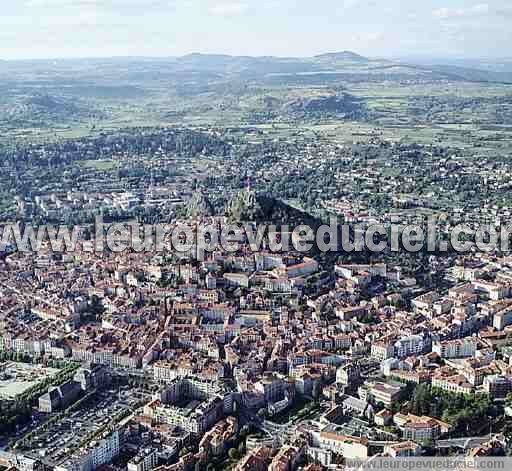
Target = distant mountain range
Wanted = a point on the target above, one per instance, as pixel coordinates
(342, 62)
(342, 56)
(270, 64)
(322, 68)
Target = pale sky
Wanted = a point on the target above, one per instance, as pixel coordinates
(388, 28)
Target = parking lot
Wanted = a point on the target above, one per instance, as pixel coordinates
(53, 441)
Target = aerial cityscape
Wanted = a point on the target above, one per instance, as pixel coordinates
(286, 255)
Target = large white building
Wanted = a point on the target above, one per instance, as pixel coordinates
(502, 319)
(195, 417)
(347, 446)
(458, 348)
(382, 350)
(94, 454)
(145, 460)
(408, 346)
(272, 387)
(206, 402)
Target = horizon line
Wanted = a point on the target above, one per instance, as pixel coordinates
(420, 55)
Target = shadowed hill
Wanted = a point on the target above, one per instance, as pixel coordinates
(199, 206)
(248, 206)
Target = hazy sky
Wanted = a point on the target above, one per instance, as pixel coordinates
(99, 28)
